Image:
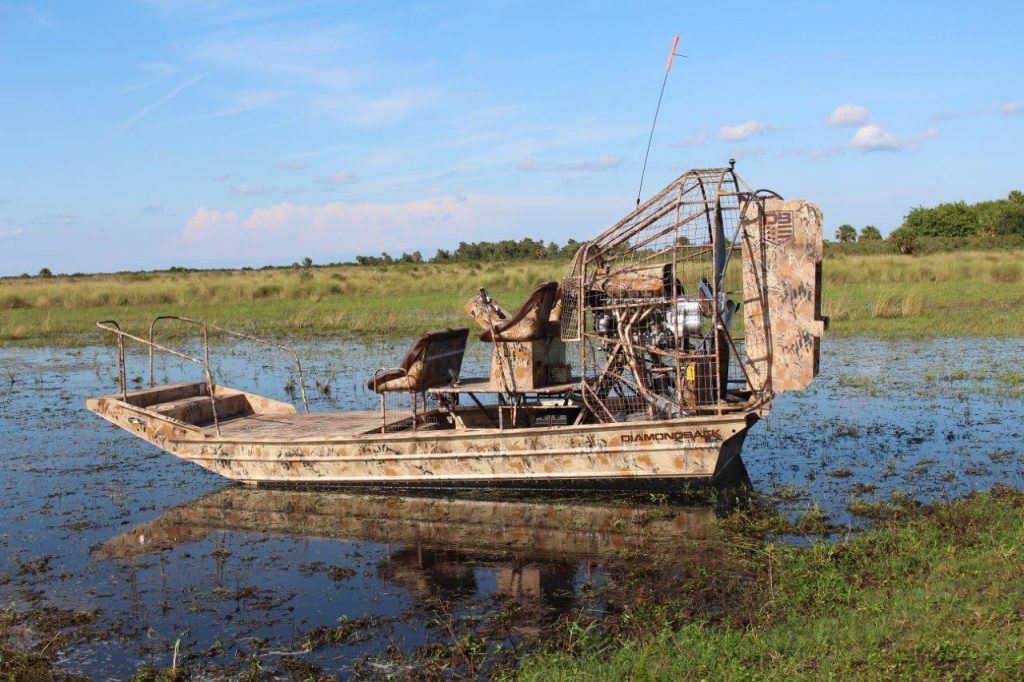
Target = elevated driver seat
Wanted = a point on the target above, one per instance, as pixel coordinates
(528, 323)
(526, 344)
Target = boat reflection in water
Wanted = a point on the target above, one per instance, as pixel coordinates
(552, 556)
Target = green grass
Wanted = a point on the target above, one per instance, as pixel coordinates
(941, 294)
(340, 300)
(963, 293)
(936, 594)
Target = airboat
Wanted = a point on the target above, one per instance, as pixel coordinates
(645, 366)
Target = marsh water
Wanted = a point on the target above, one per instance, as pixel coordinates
(166, 554)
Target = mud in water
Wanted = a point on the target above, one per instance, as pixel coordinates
(125, 552)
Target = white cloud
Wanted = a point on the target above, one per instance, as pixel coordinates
(743, 131)
(848, 114)
(872, 137)
(340, 179)
(291, 164)
(10, 234)
(251, 190)
(207, 220)
(374, 217)
(1013, 108)
(354, 225)
(598, 165)
(286, 230)
(166, 98)
(694, 139)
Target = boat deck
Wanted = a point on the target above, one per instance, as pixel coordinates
(484, 385)
(285, 427)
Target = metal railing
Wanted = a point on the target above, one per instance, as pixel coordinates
(113, 327)
(229, 332)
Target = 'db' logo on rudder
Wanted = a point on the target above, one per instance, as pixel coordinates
(778, 226)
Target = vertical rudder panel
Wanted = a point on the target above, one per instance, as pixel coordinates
(782, 288)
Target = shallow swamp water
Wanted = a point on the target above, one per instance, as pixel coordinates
(161, 554)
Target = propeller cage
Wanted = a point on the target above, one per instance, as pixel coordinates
(651, 303)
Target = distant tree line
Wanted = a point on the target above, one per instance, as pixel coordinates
(387, 259)
(960, 221)
(504, 250)
(986, 219)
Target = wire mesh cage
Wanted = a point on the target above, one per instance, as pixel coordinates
(653, 301)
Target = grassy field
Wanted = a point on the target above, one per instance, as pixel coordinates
(937, 595)
(972, 293)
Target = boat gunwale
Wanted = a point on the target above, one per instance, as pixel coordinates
(474, 434)
(203, 435)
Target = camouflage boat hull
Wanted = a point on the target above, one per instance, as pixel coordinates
(637, 454)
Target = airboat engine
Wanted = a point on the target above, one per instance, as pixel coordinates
(685, 320)
(651, 301)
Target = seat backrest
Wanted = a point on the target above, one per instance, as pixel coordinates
(431, 358)
(530, 321)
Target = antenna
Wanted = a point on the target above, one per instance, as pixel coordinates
(668, 67)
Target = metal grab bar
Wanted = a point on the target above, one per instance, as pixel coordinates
(230, 332)
(122, 335)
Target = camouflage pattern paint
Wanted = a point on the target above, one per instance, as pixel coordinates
(685, 447)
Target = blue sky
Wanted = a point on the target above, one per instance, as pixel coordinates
(178, 132)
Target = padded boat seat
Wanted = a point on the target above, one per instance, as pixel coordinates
(429, 363)
(530, 322)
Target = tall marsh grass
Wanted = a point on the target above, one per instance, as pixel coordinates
(974, 293)
(233, 287)
(890, 306)
(1006, 273)
(994, 266)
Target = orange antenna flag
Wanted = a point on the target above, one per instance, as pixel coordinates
(672, 53)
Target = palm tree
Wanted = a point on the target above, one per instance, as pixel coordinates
(846, 233)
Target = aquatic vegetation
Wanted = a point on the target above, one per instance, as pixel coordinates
(31, 639)
(899, 600)
(347, 630)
